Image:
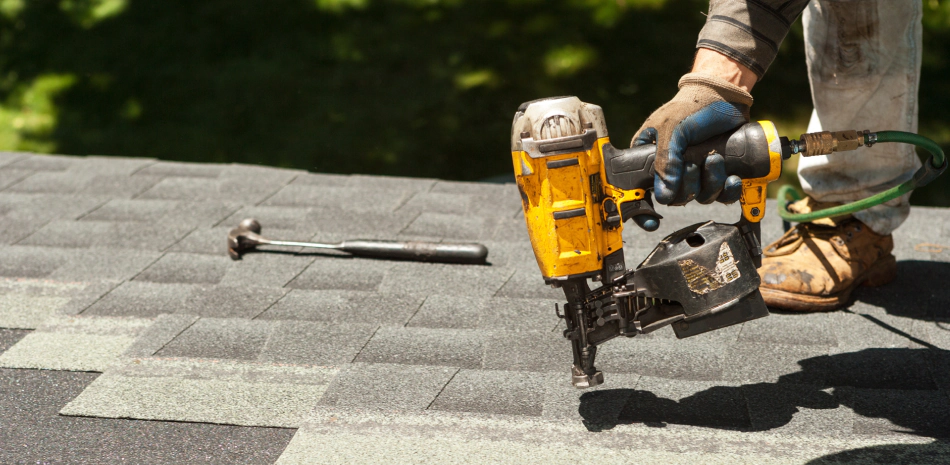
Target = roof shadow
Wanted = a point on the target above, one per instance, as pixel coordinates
(935, 452)
(917, 291)
(897, 385)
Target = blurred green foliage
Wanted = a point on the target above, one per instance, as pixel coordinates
(401, 87)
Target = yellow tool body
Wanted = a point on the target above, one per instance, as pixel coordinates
(577, 189)
(563, 198)
(754, 190)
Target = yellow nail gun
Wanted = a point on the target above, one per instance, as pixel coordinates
(577, 190)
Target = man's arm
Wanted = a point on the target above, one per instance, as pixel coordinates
(714, 63)
(749, 32)
(735, 47)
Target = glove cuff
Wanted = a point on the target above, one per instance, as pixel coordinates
(727, 90)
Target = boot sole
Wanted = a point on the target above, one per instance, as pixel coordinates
(883, 272)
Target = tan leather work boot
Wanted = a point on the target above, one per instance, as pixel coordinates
(815, 266)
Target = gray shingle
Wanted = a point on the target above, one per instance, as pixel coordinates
(9, 177)
(71, 182)
(180, 169)
(935, 332)
(220, 338)
(326, 224)
(864, 327)
(211, 241)
(423, 346)
(448, 203)
(528, 351)
(158, 334)
(285, 219)
(31, 262)
(487, 202)
(321, 179)
(474, 188)
(444, 311)
(231, 301)
(499, 392)
(389, 183)
(142, 299)
(125, 234)
(94, 264)
(767, 363)
(456, 227)
(683, 359)
(260, 269)
(8, 337)
(598, 407)
(172, 212)
(658, 401)
(351, 198)
(387, 386)
(940, 368)
(246, 172)
(883, 411)
(877, 368)
(791, 329)
(797, 409)
(529, 284)
(510, 254)
(39, 162)
(44, 207)
(345, 307)
(28, 302)
(13, 231)
(111, 165)
(433, 278)
(187, 268)
(33, 398)
(7, 158)
(336, 224)
(342, 273)
(512, 230)
(315, 343)
(233, 190)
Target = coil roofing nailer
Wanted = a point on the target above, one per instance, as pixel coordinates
(577, 190)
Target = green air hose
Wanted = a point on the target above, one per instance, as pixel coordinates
(930, 170)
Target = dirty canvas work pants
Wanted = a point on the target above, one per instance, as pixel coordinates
(863, 60)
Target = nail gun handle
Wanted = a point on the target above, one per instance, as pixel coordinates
(752, 152)
(418, 251)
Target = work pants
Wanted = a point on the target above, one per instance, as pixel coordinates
(863, 60)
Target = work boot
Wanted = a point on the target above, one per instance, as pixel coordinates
(816, 265)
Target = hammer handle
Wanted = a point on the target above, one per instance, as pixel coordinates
(418, 251)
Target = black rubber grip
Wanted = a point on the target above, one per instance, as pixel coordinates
(418, 251)
(745, 151)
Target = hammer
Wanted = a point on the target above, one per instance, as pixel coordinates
(247, 236)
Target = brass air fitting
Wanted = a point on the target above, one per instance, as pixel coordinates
(826, 142)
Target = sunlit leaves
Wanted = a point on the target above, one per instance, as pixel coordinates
(87, 13)
(29, 115)
(11, 8)
(339, 6)
(567, 60)
(482, 77)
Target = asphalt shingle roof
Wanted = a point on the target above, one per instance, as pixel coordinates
(119, 266)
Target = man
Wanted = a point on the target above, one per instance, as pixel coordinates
(863, 60)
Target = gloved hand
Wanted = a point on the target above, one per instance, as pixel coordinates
(705, 106)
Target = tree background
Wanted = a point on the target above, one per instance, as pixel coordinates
(396, 87)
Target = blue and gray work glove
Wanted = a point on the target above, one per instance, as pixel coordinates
(705, 106)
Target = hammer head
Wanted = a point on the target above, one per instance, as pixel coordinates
(244, 237)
